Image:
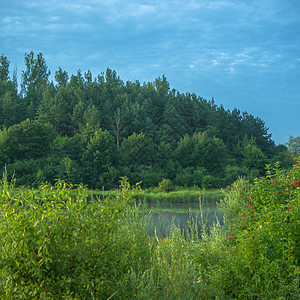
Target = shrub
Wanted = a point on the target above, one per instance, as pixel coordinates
(59, 243)
(258, 256)
(165, 186)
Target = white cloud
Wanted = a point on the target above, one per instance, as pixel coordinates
(54, 18)
(11, 20)
(141, 10)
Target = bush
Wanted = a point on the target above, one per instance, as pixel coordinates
(259, 254)
(59, 243)
(165, 186)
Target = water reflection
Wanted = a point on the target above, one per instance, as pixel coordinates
(182, 214)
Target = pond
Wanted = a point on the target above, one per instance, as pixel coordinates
(163, 215)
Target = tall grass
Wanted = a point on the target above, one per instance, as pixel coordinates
(178, 196)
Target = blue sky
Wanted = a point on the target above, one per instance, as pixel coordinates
(244, 53)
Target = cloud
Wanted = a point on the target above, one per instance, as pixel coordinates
(141, 10)
(14, 20)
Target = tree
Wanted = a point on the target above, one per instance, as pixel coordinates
(10, 109)
(256, 128)
(29, 139)
(100, 154)
(210, 153)
(117, 126)
(34, 78)
(72, 147)
(184, 150)
(174, 119)
(91, 117)
(58, 108)
(6, 84)
(36, 74)
(202, 150)
(61, 77)
(137, 150)
(253, 157)
(4, 68)
(69, 171)
(294, 147)
(4, 148)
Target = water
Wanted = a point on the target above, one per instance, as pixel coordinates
(181, 214)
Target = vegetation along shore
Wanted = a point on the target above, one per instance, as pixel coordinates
(59, 243)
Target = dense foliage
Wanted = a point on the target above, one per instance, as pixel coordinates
(59, 243)
(94, 130)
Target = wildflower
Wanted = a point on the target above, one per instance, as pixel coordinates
(289, 208)
(253, 210)
(249, 197)
(243, 220)
(249, 206)
(296, 183)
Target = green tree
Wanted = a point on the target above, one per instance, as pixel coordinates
(184, 150)
(137, 150)
(77, 116)
(4, 148)
(210, 153)
(70, 171)
(294, 147)
(10, 109)
(6, 84)
(99, 155)
(72, 147)
(202, 150)
(57, 108)
(36, 74)
(256, 127)
(29, 139)
(91, 117)
(34, 78)
(253, 158)
(61, 77)
(4, 68)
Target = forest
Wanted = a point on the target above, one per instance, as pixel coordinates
(94, 130)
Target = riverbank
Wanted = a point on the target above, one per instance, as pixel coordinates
(177, 196)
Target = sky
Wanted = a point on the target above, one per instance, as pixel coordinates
(243, 53)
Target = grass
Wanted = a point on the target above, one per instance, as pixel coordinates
(177, 196)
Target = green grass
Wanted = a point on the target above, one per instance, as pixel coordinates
(182, 209)
(177, 196)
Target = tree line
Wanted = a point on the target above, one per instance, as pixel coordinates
(93, 130)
